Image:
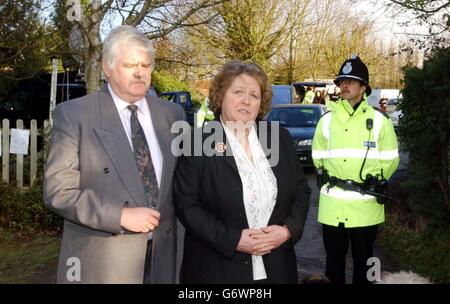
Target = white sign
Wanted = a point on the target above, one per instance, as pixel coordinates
(19, 141)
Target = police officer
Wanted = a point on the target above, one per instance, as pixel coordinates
(356, 145)
(204, 114)
(309, 96)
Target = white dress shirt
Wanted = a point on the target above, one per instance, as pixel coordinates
(145, 119)
(259, 188)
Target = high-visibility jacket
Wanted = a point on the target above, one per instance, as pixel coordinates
(204, 114)
(339, 146)
(329, 104)
(309, 97)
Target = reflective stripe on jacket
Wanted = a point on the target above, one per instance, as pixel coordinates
(204, 114)
(340, 146)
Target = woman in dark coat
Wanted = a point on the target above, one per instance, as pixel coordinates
(243, 210)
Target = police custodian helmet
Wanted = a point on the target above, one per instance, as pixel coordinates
(354, 68)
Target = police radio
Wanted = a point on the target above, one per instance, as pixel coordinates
(369, 124)
(374, 185)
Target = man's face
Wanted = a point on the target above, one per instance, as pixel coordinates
(130, 75)
(352, 90)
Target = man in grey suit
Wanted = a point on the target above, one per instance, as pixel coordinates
(109, 174)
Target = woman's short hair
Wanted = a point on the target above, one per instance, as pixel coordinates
(125, 35)
(226, 76)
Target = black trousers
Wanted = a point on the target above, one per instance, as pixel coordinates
(336, 241)
(148, 263)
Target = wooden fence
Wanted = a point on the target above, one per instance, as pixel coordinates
(32, 157)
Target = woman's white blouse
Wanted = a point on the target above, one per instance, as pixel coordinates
(259, 188)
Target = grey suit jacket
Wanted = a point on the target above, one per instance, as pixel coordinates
(90, 175)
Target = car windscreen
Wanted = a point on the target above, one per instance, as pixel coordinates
(295, 116)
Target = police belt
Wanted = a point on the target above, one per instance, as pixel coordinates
(346, 184)
(357, 187)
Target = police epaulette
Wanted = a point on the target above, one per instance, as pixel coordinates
(384, 113)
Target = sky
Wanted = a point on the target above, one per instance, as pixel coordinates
(386, 26)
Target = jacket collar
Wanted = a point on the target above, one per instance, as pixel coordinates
(345, 107)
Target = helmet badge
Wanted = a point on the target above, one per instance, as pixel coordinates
(347, 68)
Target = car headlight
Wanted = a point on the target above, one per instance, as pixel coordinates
(305, 142)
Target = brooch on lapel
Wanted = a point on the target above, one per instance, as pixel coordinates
(220, 147)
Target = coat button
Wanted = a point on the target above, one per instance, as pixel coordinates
(106, 170)
(346, 219)
(246, 262)
(169, 230)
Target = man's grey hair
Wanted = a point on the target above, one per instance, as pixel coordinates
(125, 35)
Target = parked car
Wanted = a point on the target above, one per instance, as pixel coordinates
(395, 117)
(301, 121)
(183, 98)
(283, 94)
(392, 105)
(30, 99)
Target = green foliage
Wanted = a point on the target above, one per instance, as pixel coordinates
(24, 210)
(426, 252)
(164, 82)
(21, 42)
(424, 129)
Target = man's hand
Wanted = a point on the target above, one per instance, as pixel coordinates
(271, 238)
(248, 241)
(140, 219)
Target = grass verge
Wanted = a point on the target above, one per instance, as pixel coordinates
(23, 257)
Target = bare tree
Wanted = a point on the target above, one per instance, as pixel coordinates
(21, 34)
(288, 63)
(434, 14)
(322, 40)
(155, 18)
(251, 30)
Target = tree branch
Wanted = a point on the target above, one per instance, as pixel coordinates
(204, 4)
(420, 6)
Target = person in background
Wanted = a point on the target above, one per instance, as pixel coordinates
(300, 94)
(319, 97)
(382, 104)
(203, 114)
(242, 215)
(309, 96)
